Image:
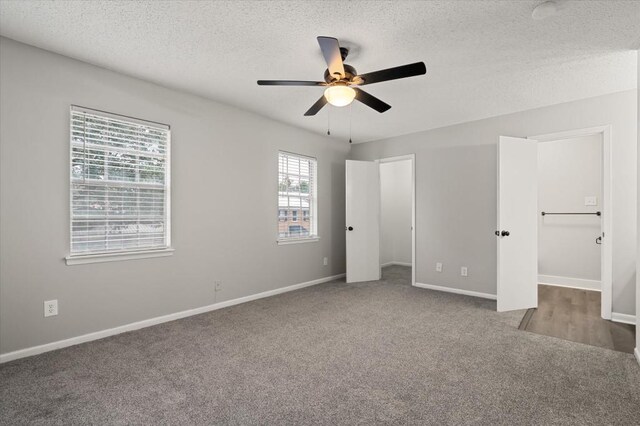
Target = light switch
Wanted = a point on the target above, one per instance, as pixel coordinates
(591, 201)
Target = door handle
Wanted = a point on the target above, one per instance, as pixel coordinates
(599, 240)
(503, 233)
(350, 228)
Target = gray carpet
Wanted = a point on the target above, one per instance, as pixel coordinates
(335, 353)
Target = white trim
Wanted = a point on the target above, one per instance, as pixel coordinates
(397, 158)
(413, 219)
(393, 262)
(167, 198)
(116, 257)
(623, 318)
(570, 134)
(35, 350)
(636, 352)
(607, 210)
(412, 158)
(456, 291)
(298, 240)
(570, 282)
(120, 117)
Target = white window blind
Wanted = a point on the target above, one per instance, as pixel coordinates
(297, 197)
(119, 183)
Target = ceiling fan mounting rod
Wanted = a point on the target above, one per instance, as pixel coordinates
(344, 52)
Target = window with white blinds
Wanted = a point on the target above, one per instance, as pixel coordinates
(297, 199)
(119, 183)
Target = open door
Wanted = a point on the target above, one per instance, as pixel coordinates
(517, 230)
(363, 221)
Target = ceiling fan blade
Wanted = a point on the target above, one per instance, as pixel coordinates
(395, 73)
(371, 101)
(290, 83)
(331, 52)
(317, 106)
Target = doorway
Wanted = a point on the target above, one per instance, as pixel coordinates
(570, 218)
(380, 219)
(569, 246)
(581, 168)
(520, 217)
(567, 239)
(396, 219)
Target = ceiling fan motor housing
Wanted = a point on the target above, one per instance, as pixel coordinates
(348, 70)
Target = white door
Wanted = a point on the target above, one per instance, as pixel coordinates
(517, 230)
(363, 221)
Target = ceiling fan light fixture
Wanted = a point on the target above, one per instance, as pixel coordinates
(339, 95)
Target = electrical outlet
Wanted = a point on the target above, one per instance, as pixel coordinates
(50, 308)
(439, 267)
(464, 271)
(217, 285)
(325, 261)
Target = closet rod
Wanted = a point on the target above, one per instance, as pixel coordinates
(596, 213)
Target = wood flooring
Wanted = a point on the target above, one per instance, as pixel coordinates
(574, 314)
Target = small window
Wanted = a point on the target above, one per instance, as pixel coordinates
(297, 193)
(119, 184)
(282, 215)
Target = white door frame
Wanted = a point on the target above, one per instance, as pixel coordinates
(412, 158)
(607, 217)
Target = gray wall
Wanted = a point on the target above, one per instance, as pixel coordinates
(456, 189)
(568, 171)
(395, 212)
(218, 234)
(638, 214)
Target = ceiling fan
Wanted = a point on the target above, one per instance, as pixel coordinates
(342, 80)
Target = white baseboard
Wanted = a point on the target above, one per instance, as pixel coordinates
(35, 350)
(456, 291)
(393, 262)
(624, 318)
(570, 282)
(636, 352)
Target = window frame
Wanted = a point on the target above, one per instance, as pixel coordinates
(314, 234)
(133, 253)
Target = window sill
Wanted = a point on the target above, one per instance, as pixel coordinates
(298, 240)
(116, 257)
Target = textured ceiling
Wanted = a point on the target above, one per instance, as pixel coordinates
(484, 58)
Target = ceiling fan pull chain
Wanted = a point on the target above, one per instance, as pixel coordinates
(350, 106)
(328, 121)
